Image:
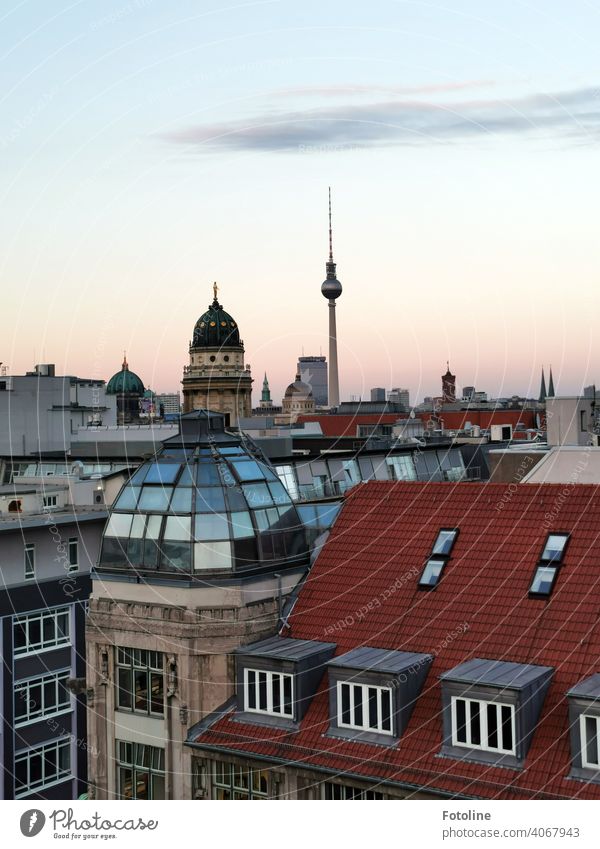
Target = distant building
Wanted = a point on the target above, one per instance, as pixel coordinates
(468, 393)
(378, 394)
(168, 403)
(399, 396)
(448, 386)
(298, 400)
(266, 406)
(129, 391)
(39, 411)
(217, 378)
(313, 370)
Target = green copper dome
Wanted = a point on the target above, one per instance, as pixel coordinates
(125, 382)
(216, 328)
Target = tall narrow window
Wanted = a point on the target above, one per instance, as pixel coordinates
(440, 554)
(29, 561)
(74, 554)
(590, 741)
(140, 681)
(551, 559)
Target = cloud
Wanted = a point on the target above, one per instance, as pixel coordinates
(572, 115)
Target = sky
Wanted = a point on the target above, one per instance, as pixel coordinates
(149, 148)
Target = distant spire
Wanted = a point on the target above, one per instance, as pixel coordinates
(125, 363)
(551, 392)
(330, 264)
(266, 392)
(543, 393)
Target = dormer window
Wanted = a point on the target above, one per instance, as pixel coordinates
(547, 569)
(490, 709)
(440, 554)
(365, 708)
(277, 679)
(584, 723)
(268, 692)
(372, 692)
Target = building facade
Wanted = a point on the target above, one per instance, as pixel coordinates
(313, 371)
(217, 378)
(46, 551)
(202, 548)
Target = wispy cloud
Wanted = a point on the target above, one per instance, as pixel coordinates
(573, 115)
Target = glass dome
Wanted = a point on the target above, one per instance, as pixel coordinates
(208, 502)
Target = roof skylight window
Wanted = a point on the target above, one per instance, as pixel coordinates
(440, 554)
(551, 559)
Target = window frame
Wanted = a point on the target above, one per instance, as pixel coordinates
(549, 563)
(365, 707)
(125, 661)
(585, 764)
(134, 766)
(73, 543)
(223, 778)
(41, 616)
(483, 719)
(271, 674)
(29, 561)
(62, 743)
(437, 557)
(41, 681)
(347, 792)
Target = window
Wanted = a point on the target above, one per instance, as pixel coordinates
(583, 420)
(141, 771)
(489, 726)
(41, 767)
(554, 549)
(268, 692)
(140, 681)
(74, 554)
(402, 468)
(41, 697)
(364, 707)
(47, 629)
(231, 781)
(440, 551)
(431, 573)
(49, 501)
(344, 792)
(547, 569)
(29, 561)
(590, 740)
(444, 542)
(287, 477)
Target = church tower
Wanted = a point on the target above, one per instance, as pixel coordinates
(217, 378)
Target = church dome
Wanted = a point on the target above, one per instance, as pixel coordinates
(125, 382)
(208, 503)
(298, 389)
(216, 328)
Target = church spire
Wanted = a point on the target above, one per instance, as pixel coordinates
(551, 392)
(543, 393)
(266, 392)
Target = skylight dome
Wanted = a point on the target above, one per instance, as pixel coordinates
(208, 502)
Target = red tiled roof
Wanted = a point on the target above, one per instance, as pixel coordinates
(363, 591)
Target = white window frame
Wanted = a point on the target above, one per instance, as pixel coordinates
(22, 690)
(73, 541)
(42, 784)
(42, 616)
(583, 740)
(29, 561)
(483, 706)
(363, 690)
(49, 501)
(346, 792)
(271, 676)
